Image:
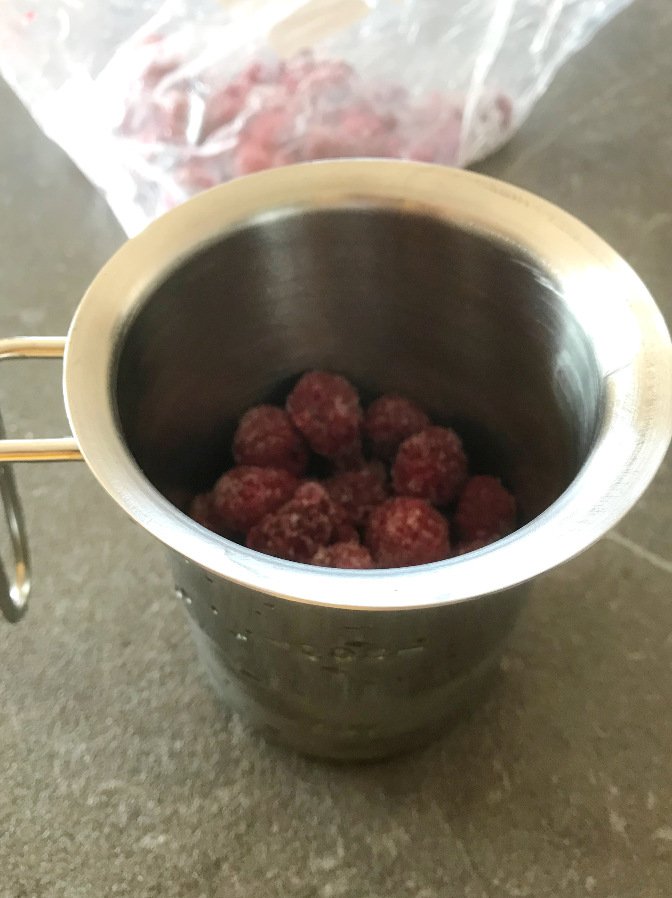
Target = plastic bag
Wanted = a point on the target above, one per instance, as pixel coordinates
(156, 100)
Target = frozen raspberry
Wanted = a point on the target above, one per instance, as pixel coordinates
(267, 127)
(361, 123)
(327, 78)
(194, 176)
(251, 158)
(344, 530)
(363, 131)
(221, 108)
(267, 438)
(485, 510)
(344, 555)
(297, 529)
(296, 69)
(389, 421)
(430, 465)
(403, 531)
(504, 106)
(463, 548)
(202, 511)
(243, 495)
(359, 491)
(326, 409)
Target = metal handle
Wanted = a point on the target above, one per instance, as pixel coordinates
(14, 594)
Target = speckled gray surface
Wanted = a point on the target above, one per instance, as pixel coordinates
(119, 773)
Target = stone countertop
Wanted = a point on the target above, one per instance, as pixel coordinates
(119, 772)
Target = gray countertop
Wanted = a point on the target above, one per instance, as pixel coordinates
(119, 772)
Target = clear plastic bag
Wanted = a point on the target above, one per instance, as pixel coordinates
(156, 100)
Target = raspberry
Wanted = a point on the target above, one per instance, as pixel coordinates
(485, 510)
(344, 529)
(430, 465)
(344, 555)
(326, 409)
(203, 512)
(359, 491)
(222, 107)
(243, 495)
(297, 529)
(463, 548)
(251, 158)
(389, 421)
(267, 438)
(403, 532)
(265, 127)
(200, 509)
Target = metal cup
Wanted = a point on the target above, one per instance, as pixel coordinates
(494, 310)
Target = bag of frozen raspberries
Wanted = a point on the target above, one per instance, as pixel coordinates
(156, 100)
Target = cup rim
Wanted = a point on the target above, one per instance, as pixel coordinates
(626, 330)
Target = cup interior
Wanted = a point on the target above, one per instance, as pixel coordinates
(468, 326)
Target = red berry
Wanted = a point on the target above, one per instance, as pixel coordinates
(344, 555)
(267, 127)
(389, 421)
(430, 465)
(359, 491)
(485, 510)
(297, 529)
(326, 409)
(243, 495)
(203, 512)
(251, 158)
(200, 510)
(463, 548)
(344, 529)
(403, 532)
(266, 437)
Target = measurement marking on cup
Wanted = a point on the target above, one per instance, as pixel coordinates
(411, 650)
(248, 673)
(336, 656)
(181, 594)
(278, 643)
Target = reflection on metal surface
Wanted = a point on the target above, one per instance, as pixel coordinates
(14, 594)
(60, 449)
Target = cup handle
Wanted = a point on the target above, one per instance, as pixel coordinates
(14, 593)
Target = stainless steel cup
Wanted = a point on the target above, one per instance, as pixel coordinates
(493, 309)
